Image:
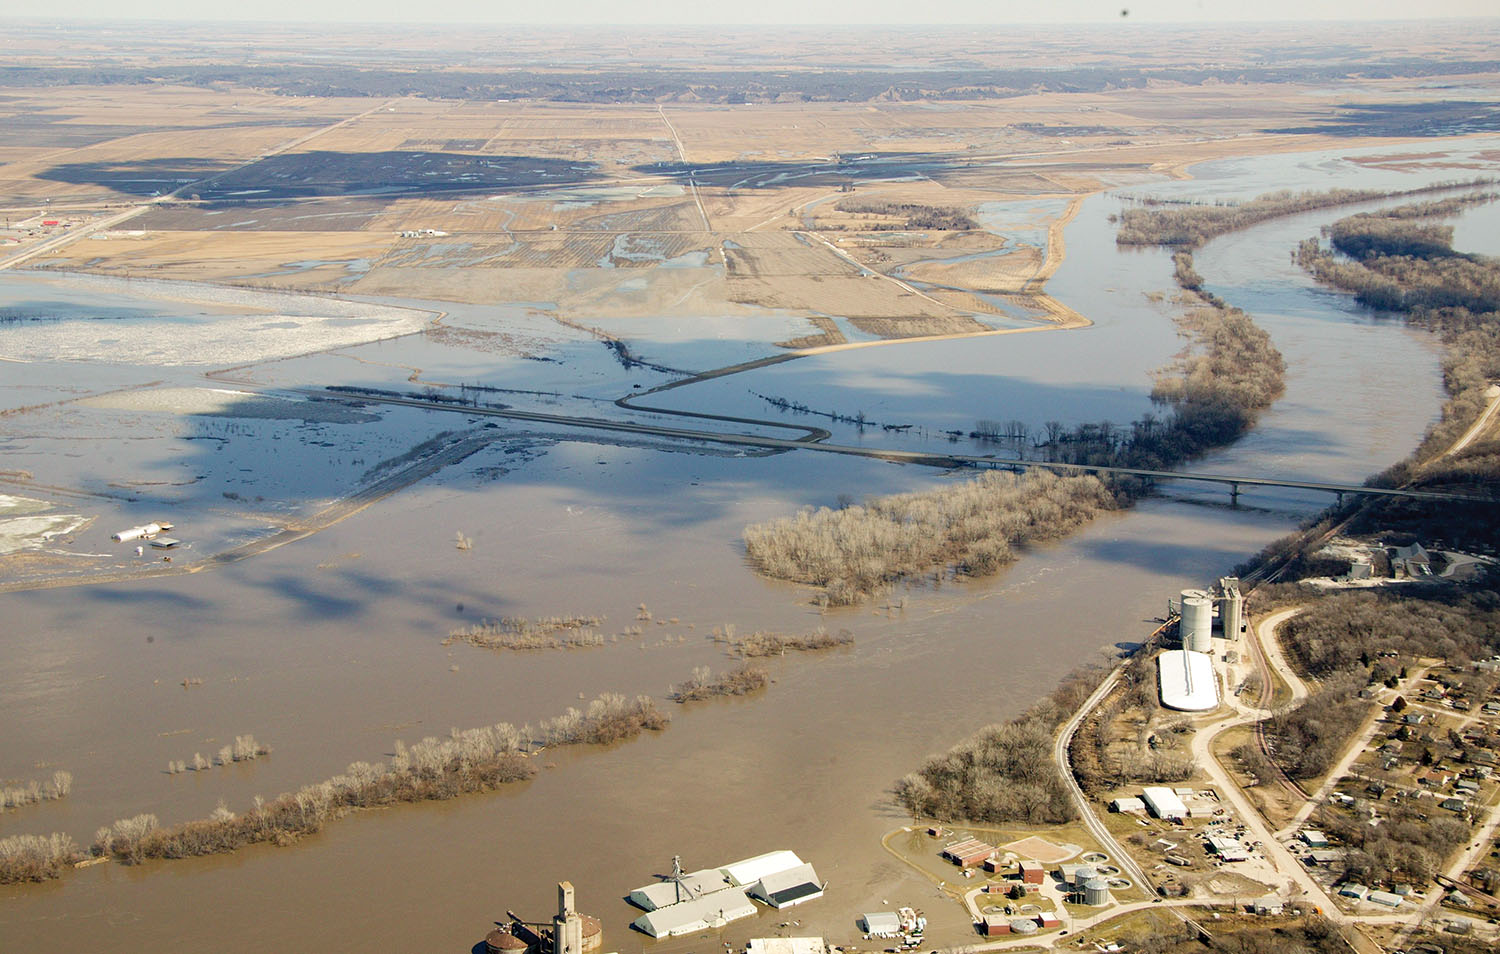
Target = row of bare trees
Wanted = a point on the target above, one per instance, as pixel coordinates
(244, 748)
(470, 760)
(705, 685)
(1188, 226)
(33, 791)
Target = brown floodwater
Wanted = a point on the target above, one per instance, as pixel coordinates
(330, 649)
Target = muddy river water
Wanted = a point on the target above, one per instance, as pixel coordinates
(329, 650)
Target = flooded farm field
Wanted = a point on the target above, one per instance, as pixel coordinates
(329, 649)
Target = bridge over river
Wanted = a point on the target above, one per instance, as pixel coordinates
(812, 443)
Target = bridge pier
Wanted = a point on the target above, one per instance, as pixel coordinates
(1340, 503)
(1234, 494)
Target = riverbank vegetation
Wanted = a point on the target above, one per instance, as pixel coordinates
(971, 528)
(1395, 260)
(779, 644)
(36, 857)
(1214, 391)
(1004, 772)
(705, 685)
(33, 791)
(511, 632)
(467, 761)
(243, 749)
(1188, 225)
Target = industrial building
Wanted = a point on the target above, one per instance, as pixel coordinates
(679, 888)
(969, 853)
(1095, 892)
(747, 872)
(882, 923)
(1197, 624)
(1228, 849)
(567, 933)
(1164, 803)
(712, 910)
(786, 945)
(1186, 680)
(712, 897)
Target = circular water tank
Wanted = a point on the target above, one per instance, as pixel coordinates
(501, 941)
(1024, 926)
(593, 934)
(1197, 624)
(1084, 874)
(1096, 892)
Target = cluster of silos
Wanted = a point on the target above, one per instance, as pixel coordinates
(1197, 625)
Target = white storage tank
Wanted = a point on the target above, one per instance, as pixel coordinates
(1096, 892)
(1197, 623)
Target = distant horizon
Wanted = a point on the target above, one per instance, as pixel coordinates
(775, 14)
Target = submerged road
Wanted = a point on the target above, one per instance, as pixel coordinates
(910, 457)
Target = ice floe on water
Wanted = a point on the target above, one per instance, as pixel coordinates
(25, 523)
(144, 323)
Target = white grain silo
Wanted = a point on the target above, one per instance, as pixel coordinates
(1197, 621)
(1231, 607)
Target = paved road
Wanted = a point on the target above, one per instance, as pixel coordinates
(1202, 749)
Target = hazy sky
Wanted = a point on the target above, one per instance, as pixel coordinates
(689, 12)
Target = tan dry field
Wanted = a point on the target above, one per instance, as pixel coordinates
(589, 228)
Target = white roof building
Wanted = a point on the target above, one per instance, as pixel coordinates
(786, 945)
(1186, 680)
(882, 924)
(751, 870)
(1164, 803)
(664, 893)
(1384, 897)
(786, 888)
(1228, 849)
(712, 910)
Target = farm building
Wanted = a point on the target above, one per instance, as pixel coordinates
(1164, 803)
(782, 889)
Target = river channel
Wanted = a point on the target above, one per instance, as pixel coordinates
(329, 649)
